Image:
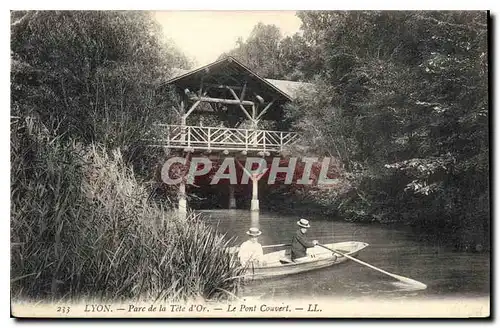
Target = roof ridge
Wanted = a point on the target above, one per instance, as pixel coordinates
(230, 59)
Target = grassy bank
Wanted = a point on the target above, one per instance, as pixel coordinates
(82, 227)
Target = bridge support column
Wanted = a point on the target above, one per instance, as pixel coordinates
(255, 195)
(254, 219)
(232, 199)
(182, 200)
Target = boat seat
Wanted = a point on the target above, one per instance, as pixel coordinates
(285, 260)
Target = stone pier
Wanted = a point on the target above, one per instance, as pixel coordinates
(255, 195)
(232, 199)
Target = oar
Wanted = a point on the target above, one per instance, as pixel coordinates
(234, 249)
(277, 245)
(398, 277)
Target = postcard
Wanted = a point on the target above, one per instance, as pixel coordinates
(250, 164)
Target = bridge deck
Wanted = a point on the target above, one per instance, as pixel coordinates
(221, 138)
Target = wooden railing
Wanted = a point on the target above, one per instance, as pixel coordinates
(220, 138)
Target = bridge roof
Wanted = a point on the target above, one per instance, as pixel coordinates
(229, 71)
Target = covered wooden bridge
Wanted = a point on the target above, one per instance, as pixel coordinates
(226, 108)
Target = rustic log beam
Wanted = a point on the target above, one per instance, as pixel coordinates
(176, 111)
(259, 98)
(222, 101)
(192, 108)
(222, 86)
(242, 96)
(234, 95)
(265, 110)
(251, 118)
(182, 109)
(201, 88)
(212, 108)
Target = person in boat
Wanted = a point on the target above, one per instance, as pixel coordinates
(300, 244)
(251, 253)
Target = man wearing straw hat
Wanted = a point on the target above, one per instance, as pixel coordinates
(299, 242)
(251, 251)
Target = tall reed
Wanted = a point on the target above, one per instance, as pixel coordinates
(82, 228)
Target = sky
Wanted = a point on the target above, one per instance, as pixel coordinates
(204, 35)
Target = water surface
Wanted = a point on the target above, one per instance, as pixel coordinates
(446, 272)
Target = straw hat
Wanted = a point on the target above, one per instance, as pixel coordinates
(254, 232)
(303, 223)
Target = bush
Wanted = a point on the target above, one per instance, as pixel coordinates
(82, 227)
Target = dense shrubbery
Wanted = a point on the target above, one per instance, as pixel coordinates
(412, 107)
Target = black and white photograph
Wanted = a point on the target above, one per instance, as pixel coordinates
(250, 164)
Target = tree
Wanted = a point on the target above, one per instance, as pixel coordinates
(299, 59)
(260, 52)
(91, 75)
(271, 56)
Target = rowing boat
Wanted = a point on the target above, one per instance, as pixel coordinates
(279, 263)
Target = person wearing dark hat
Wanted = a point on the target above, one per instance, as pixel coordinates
(300, 244)
(251, 252)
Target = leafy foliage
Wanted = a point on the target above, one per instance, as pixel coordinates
(270, 56)
(91, 75)
(260, 51)
(412, 87)
(402, 100)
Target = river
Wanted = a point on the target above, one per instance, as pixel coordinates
(447, 273)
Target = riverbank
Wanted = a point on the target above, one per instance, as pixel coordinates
(465, 238)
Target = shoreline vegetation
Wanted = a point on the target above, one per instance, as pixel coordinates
(82, 226)
(401, 101)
